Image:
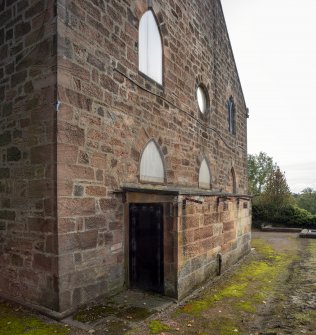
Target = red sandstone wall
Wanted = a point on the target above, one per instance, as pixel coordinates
(28, 267)
(108, 113)
(106, 120)
(215, 227)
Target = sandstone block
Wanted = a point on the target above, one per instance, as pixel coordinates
(76, 207)
(42, 262)
(70, 134)
(96, 191)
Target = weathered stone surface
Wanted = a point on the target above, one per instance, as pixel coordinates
(40, 224)
(75, 172)
(42, 262)
(78, 241)
(4, 173)
(13, 154)
(67, 154)
(5, 138)
(96, 191)
(35, 9)
(27, 192)
(7, 215)
(42, 154)
(40, 188)
(70, 134)
(96, 222)
(229, 226)
(76, 116)
(68, 207)
(18, 78)
(78, 100)
(21, 29)
(78, 191)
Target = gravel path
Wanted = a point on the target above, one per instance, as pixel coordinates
(292, 308)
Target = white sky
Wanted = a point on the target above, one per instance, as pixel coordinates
(274, 44)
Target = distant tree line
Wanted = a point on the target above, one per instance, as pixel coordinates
(272, 198)
(307, 199)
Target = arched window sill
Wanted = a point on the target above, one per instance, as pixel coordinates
(152, 81)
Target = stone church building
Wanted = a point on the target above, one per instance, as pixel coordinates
(123, 149)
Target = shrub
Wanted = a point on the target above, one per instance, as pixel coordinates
(290, 215)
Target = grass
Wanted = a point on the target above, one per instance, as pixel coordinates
(224, 326)
(17, 322)
(156, 327)
(306, 318)
(239, 297)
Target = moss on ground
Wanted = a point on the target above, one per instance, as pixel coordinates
(242, 293)
(246, 306)
(260, 272)
(156, 327)
(224, 326)
(232, 291)
(195, 307)
(306, 317)
(17, 322)
(263, 248)
(312, 247)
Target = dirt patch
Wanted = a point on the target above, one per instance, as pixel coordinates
(292, 309)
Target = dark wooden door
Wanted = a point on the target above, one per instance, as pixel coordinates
(146, 247)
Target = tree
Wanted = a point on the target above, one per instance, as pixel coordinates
(274, 202)
(277, 193)
(259, 168)
(307, 200)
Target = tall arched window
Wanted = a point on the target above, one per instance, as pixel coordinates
(204, 175)
(151, 165)
(233, 180)
(231, 115)
(150, 47)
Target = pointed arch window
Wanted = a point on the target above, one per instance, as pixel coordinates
(204, 175)
(231, 115)
(233, 180)
(150, 47)
(151, 164)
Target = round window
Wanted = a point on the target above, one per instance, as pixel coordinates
(201, 98)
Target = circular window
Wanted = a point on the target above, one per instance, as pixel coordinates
(201, 98)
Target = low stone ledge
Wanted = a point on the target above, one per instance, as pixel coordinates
(281, 229)
(308, 233)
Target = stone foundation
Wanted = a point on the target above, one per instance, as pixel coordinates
(212, 236)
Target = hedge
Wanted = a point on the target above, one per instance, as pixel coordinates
(289, 216)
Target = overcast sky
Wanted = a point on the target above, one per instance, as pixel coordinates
(274, 44)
